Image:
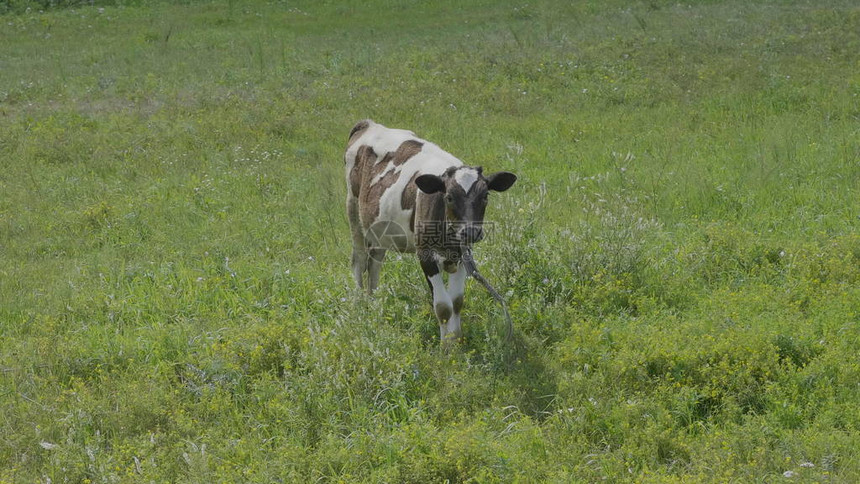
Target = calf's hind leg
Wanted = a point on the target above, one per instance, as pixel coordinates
(374, 263)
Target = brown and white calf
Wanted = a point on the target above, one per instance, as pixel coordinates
(409, 195)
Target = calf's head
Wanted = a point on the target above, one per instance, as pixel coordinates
(464, 191)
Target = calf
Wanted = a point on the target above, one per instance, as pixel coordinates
(409, 195)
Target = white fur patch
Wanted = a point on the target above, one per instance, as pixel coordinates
(466, 178)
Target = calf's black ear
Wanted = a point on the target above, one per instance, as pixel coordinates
(430, 184)
(500, 181)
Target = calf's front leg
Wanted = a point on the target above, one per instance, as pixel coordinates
(456, 290)
(442, 304)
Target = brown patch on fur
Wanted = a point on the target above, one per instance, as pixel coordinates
(458, 304)
(407, 199)
(364, 158)
(357, 130)
(379, 167)
(443, 312)
(355, 180)
(406, 150)
(372, 193)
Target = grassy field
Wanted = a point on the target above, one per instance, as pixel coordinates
(681, 254)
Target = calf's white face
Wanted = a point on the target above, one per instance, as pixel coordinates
(399, 184)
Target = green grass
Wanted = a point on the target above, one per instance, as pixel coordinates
(681, 253)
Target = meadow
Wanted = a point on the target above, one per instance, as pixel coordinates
(680, 255)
